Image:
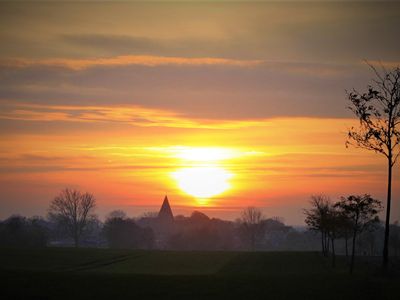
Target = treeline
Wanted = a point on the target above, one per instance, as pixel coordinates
(196, 232)
(348, 227)
(17, 231)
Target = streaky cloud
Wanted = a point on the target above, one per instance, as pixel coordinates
(126, 60)
(131, 115)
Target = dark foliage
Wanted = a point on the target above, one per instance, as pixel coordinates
(199, 232)
(17, 231)
(125, 233)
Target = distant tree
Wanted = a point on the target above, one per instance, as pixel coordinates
(395, 238)
(328, 220)
(378, 111)
(198, 218)
(125, 233)
(72, 210)
(150, 214)
(368, 239)
(38, 231)
(344, 230)
(276, 233)
(362, 212)
(117, 214)
(317, 219)
(18, 231)
(200, 232)
(333, 225)
(251, 225)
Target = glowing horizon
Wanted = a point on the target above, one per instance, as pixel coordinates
(243, 105)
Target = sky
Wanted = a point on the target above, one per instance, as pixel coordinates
(220, 105)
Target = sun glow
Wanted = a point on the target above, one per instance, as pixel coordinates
(202, 175)
(205, 154)
(203, 182)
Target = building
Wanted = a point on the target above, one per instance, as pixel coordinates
(164, 225)
(165, 214)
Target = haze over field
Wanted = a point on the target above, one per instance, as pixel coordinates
(219, 105)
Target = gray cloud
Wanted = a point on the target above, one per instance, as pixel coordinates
(119, 43)
(335, 32)
(227, 92)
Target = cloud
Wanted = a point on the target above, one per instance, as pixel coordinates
(384, 64)
(116, 42)
(126, 60)
(209, 88)
(290, 67)
(131, 115)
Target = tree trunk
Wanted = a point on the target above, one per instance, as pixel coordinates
(327, 244)
(353, 251)
(76, 239)
(322, 243)
(253, 241)
(346, 246)
(387, 221)
(333, 253)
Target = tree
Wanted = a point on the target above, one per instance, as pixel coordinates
(362, 212)
(117, 214)
(317, 219)
(71, 209)
(327, 219)
(344, 230)
(395, 238)
(122, 232)
(18, 231)
(333, 224)
(378, 111)
(251, 225)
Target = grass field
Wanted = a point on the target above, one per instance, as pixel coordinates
(63, 273)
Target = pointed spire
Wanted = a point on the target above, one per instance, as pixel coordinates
(165, 211)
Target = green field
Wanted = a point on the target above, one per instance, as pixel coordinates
(63, 273)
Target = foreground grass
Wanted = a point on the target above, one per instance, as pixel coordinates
(99, 273)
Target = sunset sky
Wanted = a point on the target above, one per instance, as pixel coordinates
(219, 105)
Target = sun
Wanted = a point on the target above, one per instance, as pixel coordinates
(203, 182)
(203, 174)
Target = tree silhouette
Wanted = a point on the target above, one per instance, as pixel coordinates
(251, 225)
(378, 110)
(317, 219)
(122, 232)
(71, 209)
(362, 212)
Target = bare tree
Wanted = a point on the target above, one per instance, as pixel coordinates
(328, 220)
(378, 110)
(317, 219)
(72, 209)
(344, 229)
(362, 212)
(251, 224)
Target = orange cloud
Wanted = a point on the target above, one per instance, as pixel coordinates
(132, 115)
(384, 64)
(126, 60)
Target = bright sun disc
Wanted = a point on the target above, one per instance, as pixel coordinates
(203, 182)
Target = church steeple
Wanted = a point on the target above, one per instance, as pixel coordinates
(165, 211)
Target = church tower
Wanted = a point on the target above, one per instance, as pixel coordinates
(165, 214)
